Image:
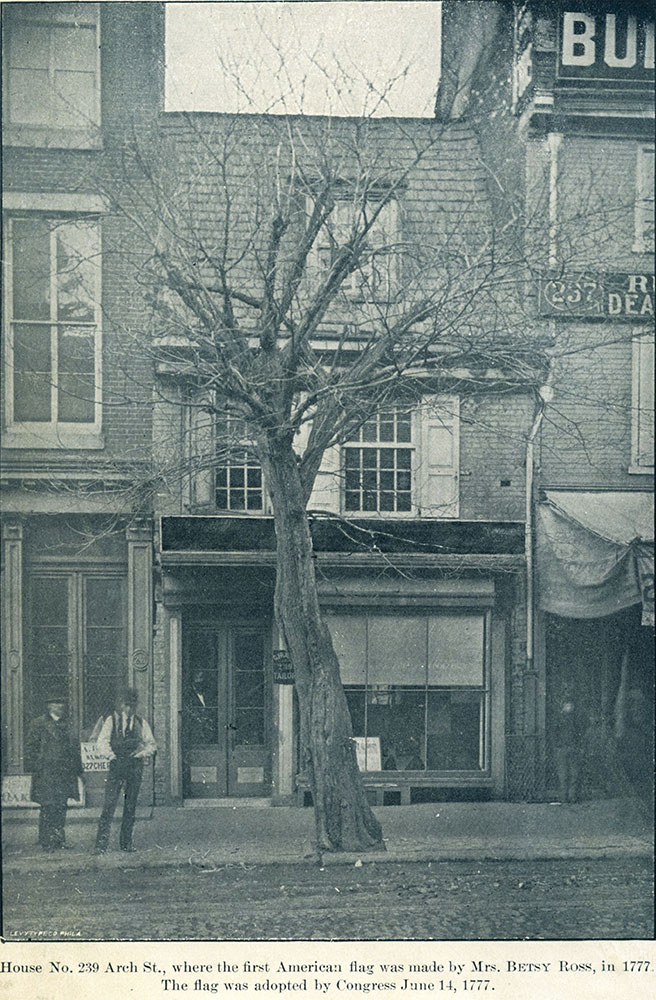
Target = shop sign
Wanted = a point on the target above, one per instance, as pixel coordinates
(614, 295)
(16, 792)
(93, 759)
(283, 672)
(611, 47)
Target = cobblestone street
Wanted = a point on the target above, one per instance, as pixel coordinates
(484, 900)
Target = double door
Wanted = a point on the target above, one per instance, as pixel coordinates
(226, 697)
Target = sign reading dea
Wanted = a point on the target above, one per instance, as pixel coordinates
(614, 295)
(601, 45)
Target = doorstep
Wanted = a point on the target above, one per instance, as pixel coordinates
(227, 803)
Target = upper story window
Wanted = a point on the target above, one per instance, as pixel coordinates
(52, 67)
(53, 345)
(642, 429)
(378, 464)
(644, 205)
(238, 482)
(404, 460)
(376, 275)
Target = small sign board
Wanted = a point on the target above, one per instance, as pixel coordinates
(612, 295)
(16, 792)
(93, 759)
(367, 749)
(283, 672)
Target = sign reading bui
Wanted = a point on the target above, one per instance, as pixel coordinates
(602, 44)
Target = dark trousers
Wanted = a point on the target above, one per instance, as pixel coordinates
(52, 818)
(122, 774)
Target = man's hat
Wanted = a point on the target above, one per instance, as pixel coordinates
(56, 698)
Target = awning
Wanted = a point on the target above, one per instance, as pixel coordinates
(595, 553)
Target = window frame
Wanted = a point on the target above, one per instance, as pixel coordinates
(53, 433)
(390, 215)
(50, 133)
(484, 690)
(379, 446)
(243, 445)
(642, 411)
(644, 199)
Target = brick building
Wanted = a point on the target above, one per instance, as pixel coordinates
(79, 80)
(562, 99)
(451, 656)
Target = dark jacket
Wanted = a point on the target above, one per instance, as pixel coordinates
(54, 760)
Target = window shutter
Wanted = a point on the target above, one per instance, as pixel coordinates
(201, 445)
(326, 492)
(438, 457)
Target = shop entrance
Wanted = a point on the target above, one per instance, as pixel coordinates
(226, 745)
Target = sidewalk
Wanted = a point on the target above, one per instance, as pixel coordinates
(217, 836)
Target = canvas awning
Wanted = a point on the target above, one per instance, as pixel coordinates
(595, 553)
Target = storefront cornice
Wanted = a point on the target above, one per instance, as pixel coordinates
(341, 560)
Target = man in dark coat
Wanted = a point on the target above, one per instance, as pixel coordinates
(53, 758)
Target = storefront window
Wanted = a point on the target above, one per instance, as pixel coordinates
(418, 684)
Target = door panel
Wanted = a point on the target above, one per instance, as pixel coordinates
(247, 732)
(204, 715)
(226, 703)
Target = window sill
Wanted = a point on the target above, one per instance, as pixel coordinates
(51, 138)
(50, 437)
(641, 470)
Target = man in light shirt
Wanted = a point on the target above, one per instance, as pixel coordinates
(126, 738)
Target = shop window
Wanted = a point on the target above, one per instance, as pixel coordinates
(642, 431)
(418, 685)
(52, 66)
(375, 277)
(644, 203)
(53, 333)
(238, 484)
(77, 644)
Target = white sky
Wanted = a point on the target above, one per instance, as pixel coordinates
(342, 57)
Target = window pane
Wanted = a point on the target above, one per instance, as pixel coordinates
(31, 269)
(355, 699)
(74, 100)
(32, 373)
(75, 398)
(29, 46)
(105, 660)
(455, 650)
(75, 48)
(397, 715)
(349, 634)
(30, 97)
(397, 649)
(77, 263)
(454, 728)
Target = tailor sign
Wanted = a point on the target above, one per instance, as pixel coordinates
(609, 46)
(616, 295)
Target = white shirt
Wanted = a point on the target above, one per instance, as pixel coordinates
(147, 747)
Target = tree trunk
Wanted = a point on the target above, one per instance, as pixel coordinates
(344, 820)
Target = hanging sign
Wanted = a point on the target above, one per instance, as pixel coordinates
(283, 672)
(615, 295)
